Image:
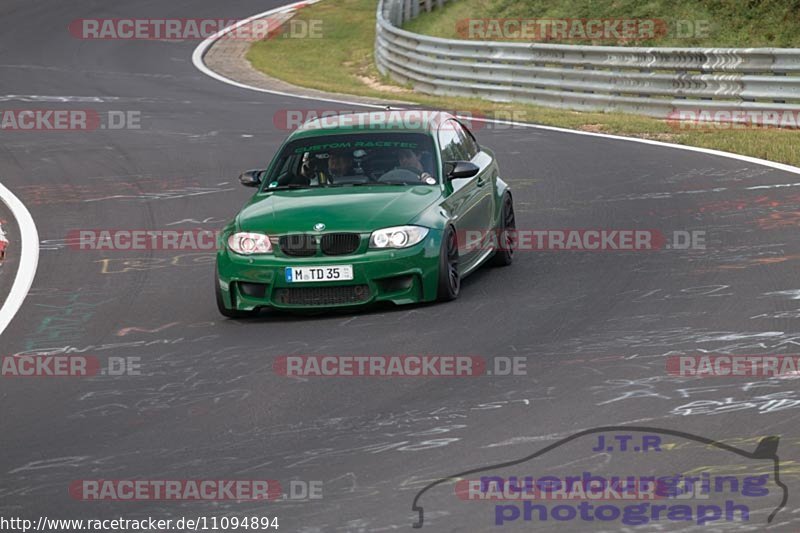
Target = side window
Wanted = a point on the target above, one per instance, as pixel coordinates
(467, 141)
(282, 171)
(450, 143)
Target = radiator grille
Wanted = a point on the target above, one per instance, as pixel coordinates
(298, 245)
(343, 294)
(340, 243)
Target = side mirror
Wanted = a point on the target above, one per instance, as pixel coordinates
(461, 169)
(251, 178)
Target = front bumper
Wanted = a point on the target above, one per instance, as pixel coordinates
(401, 276)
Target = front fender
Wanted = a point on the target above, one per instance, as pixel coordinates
(501, 188)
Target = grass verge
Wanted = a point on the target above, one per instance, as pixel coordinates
(342, 62)
(703, 23)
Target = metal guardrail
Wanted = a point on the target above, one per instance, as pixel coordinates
(653, 81)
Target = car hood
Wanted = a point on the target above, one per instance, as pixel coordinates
(360, 209)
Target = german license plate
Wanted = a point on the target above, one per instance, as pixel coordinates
(319, 273)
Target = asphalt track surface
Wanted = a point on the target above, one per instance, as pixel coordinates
(595, 327)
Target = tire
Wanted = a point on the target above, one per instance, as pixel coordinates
(505, 256)
(224, 311)
(449, 278)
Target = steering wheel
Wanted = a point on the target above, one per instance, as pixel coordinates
(404, 174)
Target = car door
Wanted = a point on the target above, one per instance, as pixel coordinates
(485, 208)
(464, 199)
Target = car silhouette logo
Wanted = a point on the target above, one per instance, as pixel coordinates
(766, 449)
(319, 226)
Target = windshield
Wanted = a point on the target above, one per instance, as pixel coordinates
(355, 159)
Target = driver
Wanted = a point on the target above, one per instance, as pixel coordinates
(409, 159)
(340, 164)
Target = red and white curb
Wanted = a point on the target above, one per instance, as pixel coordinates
(28, 256)
(276, 14)
(3, 243)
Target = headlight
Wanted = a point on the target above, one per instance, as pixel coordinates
(249, 243)
(398, 237)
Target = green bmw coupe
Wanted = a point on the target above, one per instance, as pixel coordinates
(361, 208)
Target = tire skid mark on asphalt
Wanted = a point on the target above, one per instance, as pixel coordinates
(106, 187)
(173, 194)
(65, 322)
(104, 73)
(36, 98)
(114, 265)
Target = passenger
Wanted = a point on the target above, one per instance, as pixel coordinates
(340, 164)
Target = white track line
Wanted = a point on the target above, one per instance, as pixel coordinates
(199, 52)
(29, 257)
(709, 151)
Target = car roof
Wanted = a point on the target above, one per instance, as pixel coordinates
(388, 120)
